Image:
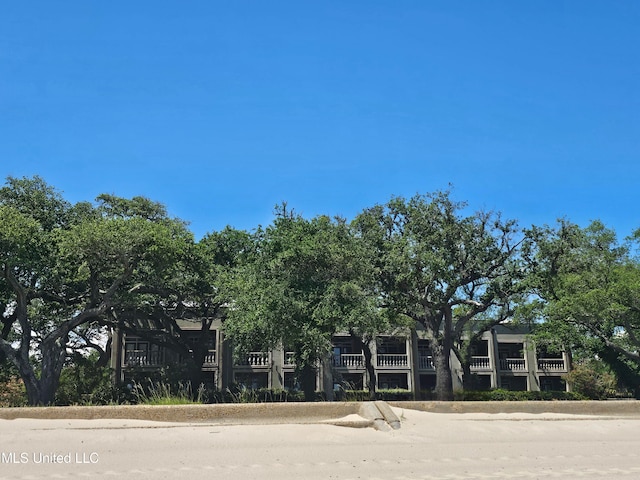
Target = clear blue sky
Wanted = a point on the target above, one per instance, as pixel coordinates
(220, 110)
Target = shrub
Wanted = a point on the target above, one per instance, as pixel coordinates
(13, 393)
(84, 382)
(591, 383)
(498, 395)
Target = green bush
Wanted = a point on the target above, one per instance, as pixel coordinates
(592, 383)
(397, 394)
(241, 394)
(498, 395)
(84, 382)
(12, 392)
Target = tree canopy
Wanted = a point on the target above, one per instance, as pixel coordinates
(308, 281)
(590, 286)
(442, 269)
(64, 268)
(71, 272)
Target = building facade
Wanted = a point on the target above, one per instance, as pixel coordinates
(504, 357)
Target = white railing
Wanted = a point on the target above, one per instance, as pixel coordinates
(255, 359)
(210, 358)
(513, 364)
(425, 362)
(480, 363)
(143, 358)
(289, 358)
(347, 360)
(392, 360)
(551, 364)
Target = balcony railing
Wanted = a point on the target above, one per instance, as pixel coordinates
(480, 363)
(551, 364)
(255, 359)
(210, 359)
(143, 358)
(289, 358)
(425, 362)
(513, 364)
(392, 360)
(349, 360)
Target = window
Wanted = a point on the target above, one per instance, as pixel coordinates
(252, 380)
(388, 381)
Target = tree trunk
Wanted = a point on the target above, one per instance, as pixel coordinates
(42, 391)
(468, 379)
(308, 380)
(444, 384)
(371, 372)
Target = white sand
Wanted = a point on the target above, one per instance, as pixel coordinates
(428, 446)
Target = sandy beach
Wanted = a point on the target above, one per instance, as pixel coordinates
(428, 446)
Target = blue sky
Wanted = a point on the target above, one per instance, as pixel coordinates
(220, 110)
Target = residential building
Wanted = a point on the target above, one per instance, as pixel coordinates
(504, 357)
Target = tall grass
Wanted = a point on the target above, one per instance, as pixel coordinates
(162, 393)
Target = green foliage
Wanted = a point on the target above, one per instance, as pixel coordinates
(161, 393)
(590, 285)
(396, 395)
(241, 394)
(307, 281)
(12, 392)
(592, 383)
(499, 395)
(445, 270)
(68, 270)
(84, 382)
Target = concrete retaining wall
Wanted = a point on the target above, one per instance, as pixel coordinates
(258, 413)
(218, 413)
(608, 407)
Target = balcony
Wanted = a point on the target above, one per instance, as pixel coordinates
(513, 364)
(425, 362)
(392, 360)
(255, 359)
(349, 360)
(551, 365)
(210, 359)
(480, 363)
(289, 359)
(143, 358)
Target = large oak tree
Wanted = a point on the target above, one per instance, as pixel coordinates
(441, 268)
(589, 284)
(64, 269)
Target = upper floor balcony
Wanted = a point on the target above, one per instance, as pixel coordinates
(480, 363)
(348, 360)
(254, 359)
(552, 365)
(425, 362)
(513, 364)
(158, 358)
(289, 359)
(210, 359)
(143, 358)
(392, 360)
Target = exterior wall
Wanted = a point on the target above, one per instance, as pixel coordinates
(507, 360)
